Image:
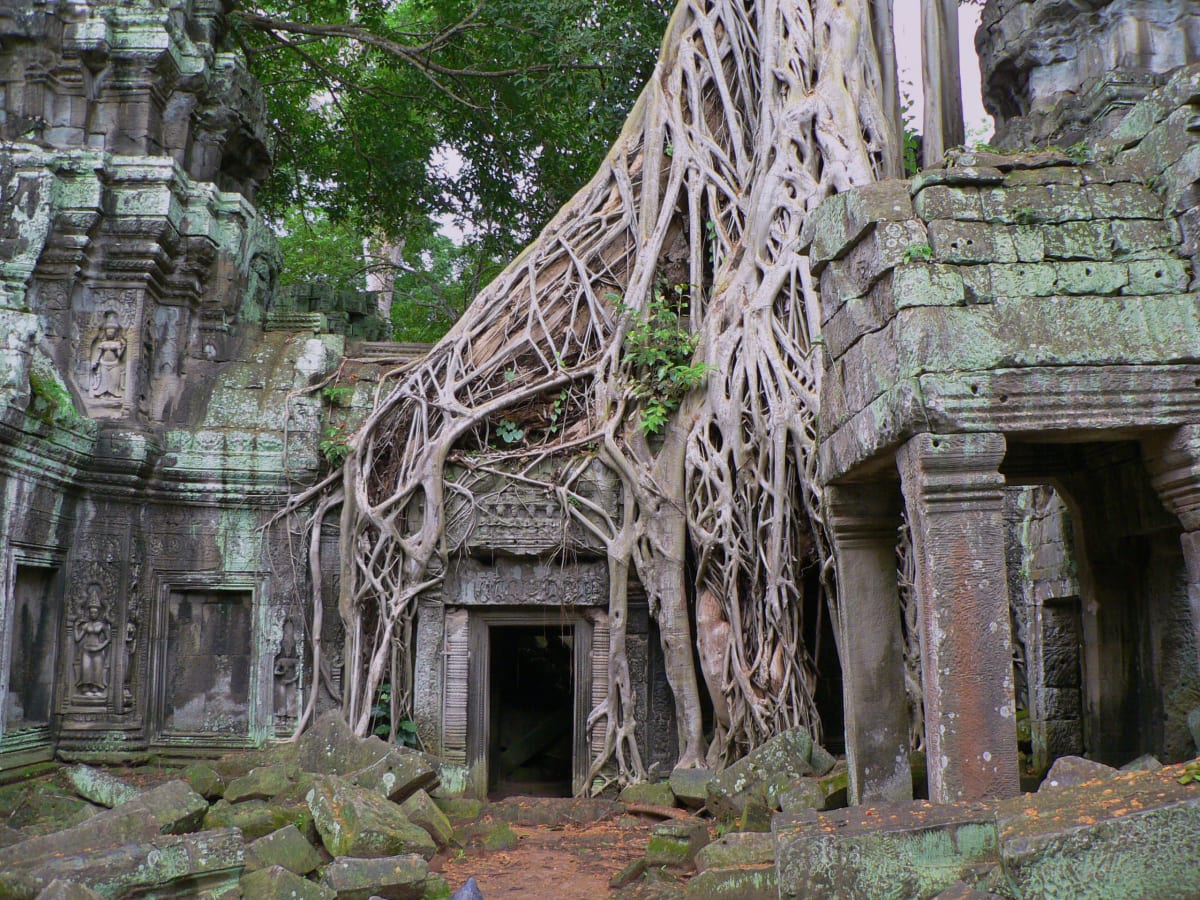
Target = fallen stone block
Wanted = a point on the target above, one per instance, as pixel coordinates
(747, 883)
(960, 890)
(766, 772)
(632, 871)
(170, 808)
(398, 774)
(690, 786)
(286, 847)
(354, 821)
(1144, 763)
(184, 865)
(491, 834)
(460, 809)
(67, 890)
(676, 842)
(262, 783)
(205, 781)
(278, 882)
(737, 848)
(1069, 770)
(99, 787)
(1131, 836)
(394, 878)
(805, 794)
(910, 850)
(652, 794)
(421, 810)
(255, 818)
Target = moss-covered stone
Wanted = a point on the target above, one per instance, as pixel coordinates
(748, 883)
(205, 781)
(737, 848)
(256, 818)
(278, 882)
(421, 810)
(358, 822)
(397, 877)
(286, 847)
(460, 809)
(658, 794)
(261, 783)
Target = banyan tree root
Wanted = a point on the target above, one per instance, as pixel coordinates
(756, 111)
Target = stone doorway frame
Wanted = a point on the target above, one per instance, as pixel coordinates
(480, 624)
(259, 715)
(34, 744)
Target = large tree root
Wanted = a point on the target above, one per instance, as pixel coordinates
(756, 112)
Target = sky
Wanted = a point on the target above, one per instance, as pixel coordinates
(908, 51)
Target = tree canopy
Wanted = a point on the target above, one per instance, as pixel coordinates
(393, 117)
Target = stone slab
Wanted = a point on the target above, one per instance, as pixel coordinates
(1131, 836)
(98, 786)
(878, 853)
(354, 821)
(394, 878)
(278, 882)
(286, 847)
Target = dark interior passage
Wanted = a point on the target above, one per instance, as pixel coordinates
(34, 639)
(532, 710)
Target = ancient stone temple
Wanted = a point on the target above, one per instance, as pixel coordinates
(1024, 319)
(148, 427)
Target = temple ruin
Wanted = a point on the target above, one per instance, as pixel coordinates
(1011, 370)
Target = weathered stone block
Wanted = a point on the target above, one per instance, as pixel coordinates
(1072, 770)
(1157, 276)
(1135, 236)
(255, 818)
(99, 787)
(1035, 204)
(59, 889)
(1091, 278)
(905, 850)
(286, 847)
(395, 878)
(1133, 835)
(354, 821)
(173, 865)
(764, 773)
(261, 783)
(690, 786)
(1023, 279)
(970, 242)
(927, 284)
(946, 202)
(278, 882)
(421, 810)
(655, 794)
(737, 848)
(205, 781)
(676, 842)
(747, 883)
(1029, 243)
(1144, 763)
(955, 175)
(1078, 240)
(805, 794)
(397, 774)
(1123, 201)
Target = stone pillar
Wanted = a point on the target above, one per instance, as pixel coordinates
(864, 520)
(954, 495)
(1173, 461)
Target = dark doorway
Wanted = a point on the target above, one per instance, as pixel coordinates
(532, 710)
(34, 646)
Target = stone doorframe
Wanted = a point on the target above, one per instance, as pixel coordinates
(480, 623)
(53, 562)
(260, 726)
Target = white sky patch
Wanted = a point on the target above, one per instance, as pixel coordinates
(979, 124)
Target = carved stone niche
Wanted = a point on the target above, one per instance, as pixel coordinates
(108, 345)
(212, 673)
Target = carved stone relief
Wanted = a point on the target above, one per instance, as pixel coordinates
(511, 583)
(91, 632)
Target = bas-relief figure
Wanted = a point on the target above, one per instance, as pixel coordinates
(92, 633)
(107, 360)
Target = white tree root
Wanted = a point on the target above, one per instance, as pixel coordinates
(757, 111)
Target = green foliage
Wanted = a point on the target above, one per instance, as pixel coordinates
(335, 446)
(1080, 153)
(494, 116)
(46, 397)
(1191, 773)
(918, 252)
(432, 286)
(316, 249)
(381, 719)
(509, 432)
(337, 394)
(659, 350)
(1025, 215)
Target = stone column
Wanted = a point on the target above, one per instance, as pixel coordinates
(864, 520)
(1173, 461)
(953, 492)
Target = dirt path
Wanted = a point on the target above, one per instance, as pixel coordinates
(568, 862)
